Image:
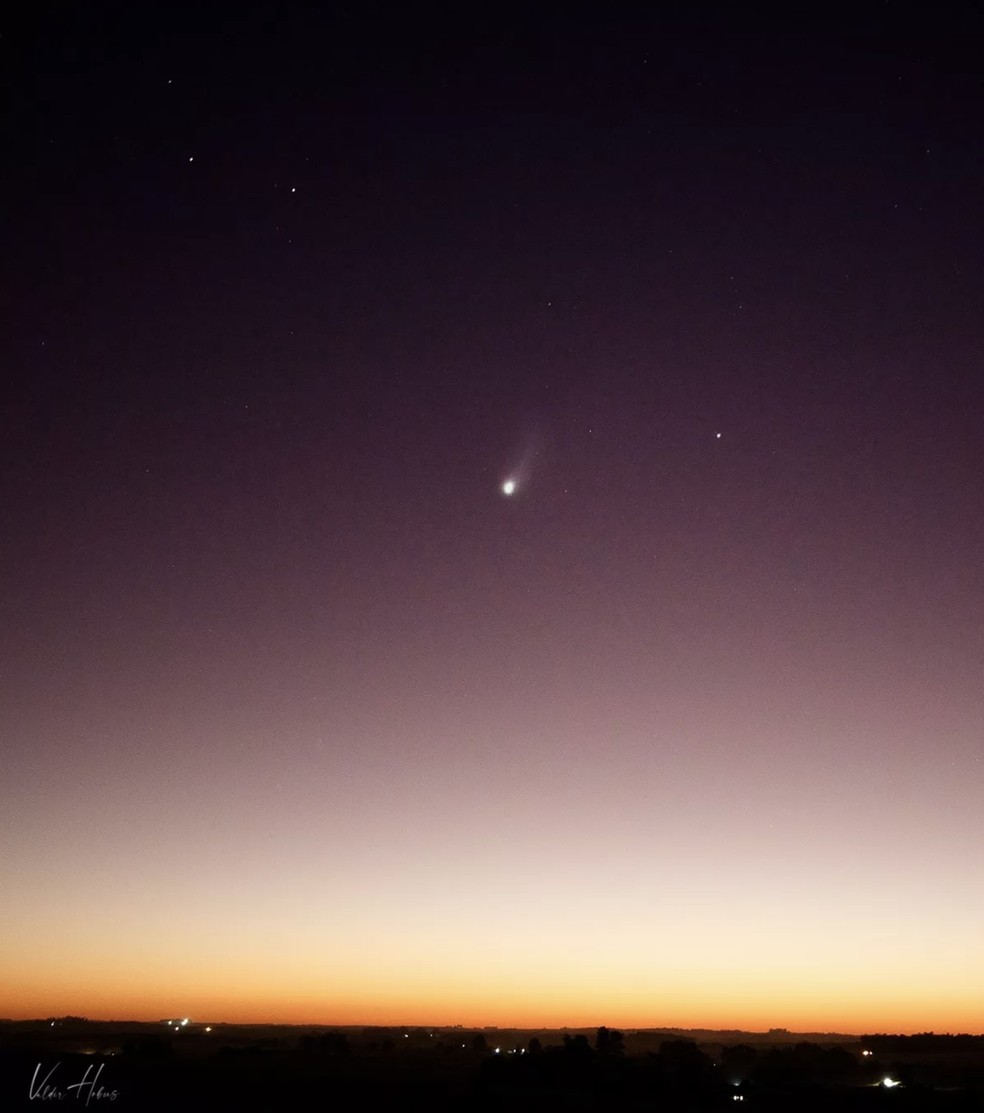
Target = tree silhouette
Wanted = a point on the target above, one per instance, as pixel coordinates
(577, 1048)
(609, 1042)
(683, 1057)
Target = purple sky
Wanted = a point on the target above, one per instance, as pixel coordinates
(302, 717)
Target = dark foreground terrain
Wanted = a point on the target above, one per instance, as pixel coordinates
(71, 1063)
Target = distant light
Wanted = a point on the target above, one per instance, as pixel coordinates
(184, 1022)
(497, 1051)
(890, 1083)
(208, 1029)
(866, 1053)
(718, 435)
(509, 487)
(192, 159)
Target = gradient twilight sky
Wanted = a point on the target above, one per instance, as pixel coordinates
(303, 719)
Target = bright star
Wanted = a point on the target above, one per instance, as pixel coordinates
(509, 486)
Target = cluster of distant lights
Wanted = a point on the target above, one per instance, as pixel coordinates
(495, 1050)
(888, 1082)
(177, 1025)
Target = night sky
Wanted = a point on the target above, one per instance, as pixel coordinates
(303, 717)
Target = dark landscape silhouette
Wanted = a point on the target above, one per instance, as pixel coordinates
(192, 1066)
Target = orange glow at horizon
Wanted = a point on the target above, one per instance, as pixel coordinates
(633, 976)
(445, 919)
